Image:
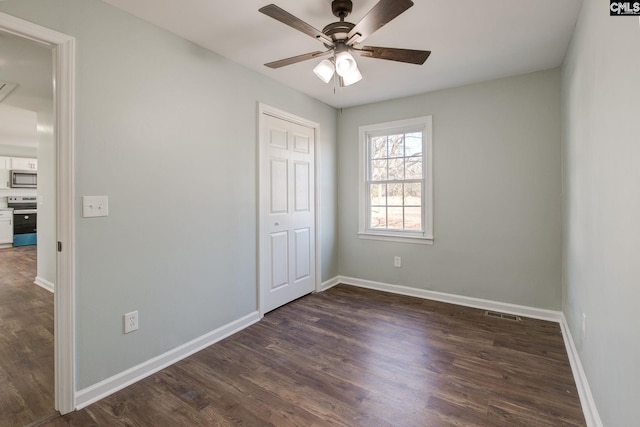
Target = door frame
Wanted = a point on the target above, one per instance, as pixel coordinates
(63, 50)
(265, 109)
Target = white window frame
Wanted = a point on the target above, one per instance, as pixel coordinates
(365, 132)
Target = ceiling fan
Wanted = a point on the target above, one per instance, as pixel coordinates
(342, 37)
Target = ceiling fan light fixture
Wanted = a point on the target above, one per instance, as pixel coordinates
(345, 63)
(324, 70)
(353, 77)
(342, 37)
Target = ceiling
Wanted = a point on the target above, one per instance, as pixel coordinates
(470, 40)
(28, 64)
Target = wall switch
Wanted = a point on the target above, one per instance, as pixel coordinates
(397, 261)
(130, 322)
(93, 206)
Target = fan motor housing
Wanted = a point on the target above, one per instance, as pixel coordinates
(341, 8)
(338, 31)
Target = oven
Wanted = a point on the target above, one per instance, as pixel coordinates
(25, 219)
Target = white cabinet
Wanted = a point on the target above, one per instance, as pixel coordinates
(6, 228)
(5, 167)
(18, 163)
(22, 163)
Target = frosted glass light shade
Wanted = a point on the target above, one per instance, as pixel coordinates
(324, 70)
(345, 63)
(353, 77)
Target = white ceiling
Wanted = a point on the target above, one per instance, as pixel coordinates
(470, 40)
(28, 64)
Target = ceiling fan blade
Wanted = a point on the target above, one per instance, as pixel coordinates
(285, 17)
(392, 54)
(296, 59)
(376, 18)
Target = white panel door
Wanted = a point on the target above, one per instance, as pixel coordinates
(287, 216)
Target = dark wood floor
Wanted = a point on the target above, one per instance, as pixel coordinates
(356, 357)
(26, 341)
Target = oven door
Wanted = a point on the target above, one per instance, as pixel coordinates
(24, 221)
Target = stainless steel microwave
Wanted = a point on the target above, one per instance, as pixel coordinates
(24, 179)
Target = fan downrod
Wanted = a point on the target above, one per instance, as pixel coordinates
(341, 8)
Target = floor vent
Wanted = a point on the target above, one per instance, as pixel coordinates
(504, 316)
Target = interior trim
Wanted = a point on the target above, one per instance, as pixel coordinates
(268, 110)
(44, 284)
(591, 415)
(63, 51)
(582, 384)
(119, 381)
(519, 310)
(329, 284)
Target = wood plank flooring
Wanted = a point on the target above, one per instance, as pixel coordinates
(356, 357)
(26, 341)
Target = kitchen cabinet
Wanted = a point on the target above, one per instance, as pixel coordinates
(18, 163)
(23, 163)
(5, 168)
(6, 228)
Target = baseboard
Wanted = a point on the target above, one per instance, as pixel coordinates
(584, 391)
(45, 284)
(519, 310)
(591, 415)
(329, 284)
(117, 382)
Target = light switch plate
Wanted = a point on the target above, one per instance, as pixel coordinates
(93, 206)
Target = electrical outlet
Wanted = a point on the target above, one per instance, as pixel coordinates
(397, 261)
(130, 322)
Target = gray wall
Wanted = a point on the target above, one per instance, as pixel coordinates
(167, 130)
(601, 106)
(497, 201)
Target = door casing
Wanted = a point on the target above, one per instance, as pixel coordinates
(63, 51)
(264, 109)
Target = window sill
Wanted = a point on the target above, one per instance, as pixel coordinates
(395, 238)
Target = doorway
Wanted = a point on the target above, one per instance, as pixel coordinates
(62, 51)
(287, 208)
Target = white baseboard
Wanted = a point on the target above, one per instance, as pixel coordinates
(329, 284)
(45, 284)
(519, 310)
(584, 391)
(117, 382)
(591, 415)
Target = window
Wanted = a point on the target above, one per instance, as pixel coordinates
(396, 195)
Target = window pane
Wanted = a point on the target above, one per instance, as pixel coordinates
(379, 147)
(395, 218)
(394, 194)
(378, 218)
(414, 167)
(413, 144)
(413, 194)
(378, 170)
(396, 169)
(396, 145)
(394, 186)
(378, 194)
(413, 219)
